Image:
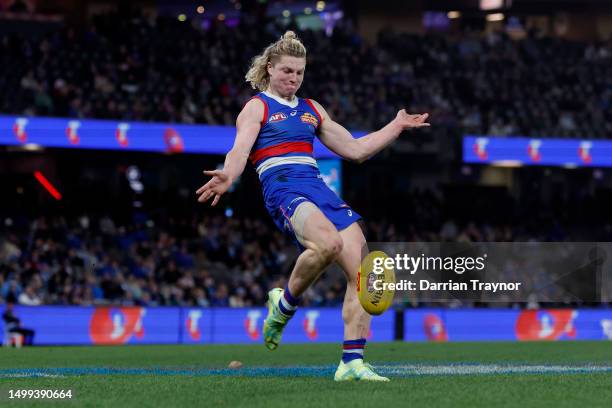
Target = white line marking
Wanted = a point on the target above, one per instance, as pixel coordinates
(31, 375)
(458, 369)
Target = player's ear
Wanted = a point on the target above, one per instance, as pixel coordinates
(269, 67)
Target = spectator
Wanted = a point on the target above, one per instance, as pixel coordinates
(12, 324)
(29, 297)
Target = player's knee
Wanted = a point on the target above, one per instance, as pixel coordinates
(330, 248)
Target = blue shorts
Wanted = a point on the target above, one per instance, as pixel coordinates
(282, 198)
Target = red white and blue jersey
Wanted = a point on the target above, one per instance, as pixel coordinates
(285, 142)
(282, 156)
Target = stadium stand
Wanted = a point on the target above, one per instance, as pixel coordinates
(477, 83)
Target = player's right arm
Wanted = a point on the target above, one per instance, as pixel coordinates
(248, 125)
(340, 141)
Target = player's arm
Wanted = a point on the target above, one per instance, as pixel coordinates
(248, 125)
(340, 141)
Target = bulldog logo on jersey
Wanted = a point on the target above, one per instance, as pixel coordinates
(277, 117)
(309, 119)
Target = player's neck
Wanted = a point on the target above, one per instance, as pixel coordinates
(289, 98)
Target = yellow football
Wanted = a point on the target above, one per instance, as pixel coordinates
(372, 277)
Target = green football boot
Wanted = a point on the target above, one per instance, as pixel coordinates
(357, 370)
(275, 321)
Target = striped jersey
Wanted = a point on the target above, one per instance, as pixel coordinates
(284, 146)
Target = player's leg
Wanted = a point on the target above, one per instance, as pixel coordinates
(322, 244)
(356, 319)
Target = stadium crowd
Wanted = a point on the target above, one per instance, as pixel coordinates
(205, 261)
(161, 69)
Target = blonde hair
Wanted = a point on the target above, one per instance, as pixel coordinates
(288, 45)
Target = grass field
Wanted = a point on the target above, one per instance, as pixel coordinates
(556, 374)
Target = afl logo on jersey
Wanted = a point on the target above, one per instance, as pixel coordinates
(277, 117)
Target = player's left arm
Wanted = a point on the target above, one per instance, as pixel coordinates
(340, 141)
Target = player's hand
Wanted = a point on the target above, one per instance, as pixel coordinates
(216, 186)
(408, 121)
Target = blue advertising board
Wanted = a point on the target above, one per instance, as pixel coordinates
(122, 135)
(171, 325)
(522, 151)
(507, 325)
(73, 325)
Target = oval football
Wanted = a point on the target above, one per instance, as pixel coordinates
(373, 274)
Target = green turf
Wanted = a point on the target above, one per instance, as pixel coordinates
(508, 390)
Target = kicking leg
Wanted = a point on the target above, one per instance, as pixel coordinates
(356, 319)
